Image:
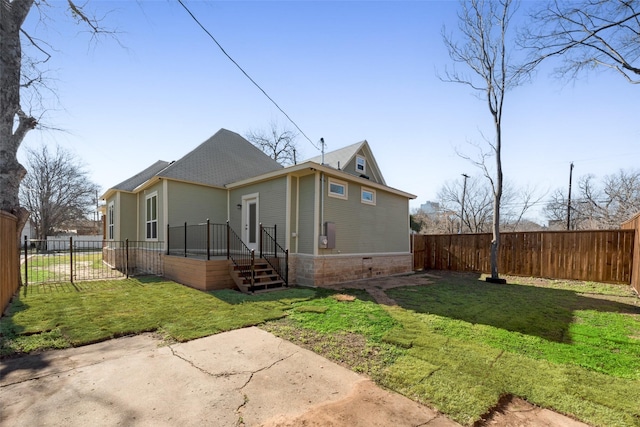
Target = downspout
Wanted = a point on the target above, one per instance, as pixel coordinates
(165, 212)
(321, 202)
(228, 208)
(322, 190)
(137, 217)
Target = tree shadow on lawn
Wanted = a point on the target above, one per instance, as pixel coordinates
(531, 310)
(16, 362)
(284, 295)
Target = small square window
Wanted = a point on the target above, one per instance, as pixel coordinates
(337, 188)
(361, 164)
(368, 196)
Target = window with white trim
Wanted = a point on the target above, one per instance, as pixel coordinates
(338, 189)
(151, 216)
(110, 221)
(361, 164)
(367, 196)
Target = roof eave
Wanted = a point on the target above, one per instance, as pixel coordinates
(313, 166)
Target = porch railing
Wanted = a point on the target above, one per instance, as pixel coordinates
(207, 239)
(273, 253)
(241, 256)
(198, 240)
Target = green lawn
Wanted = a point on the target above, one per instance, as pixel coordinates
(457, 345)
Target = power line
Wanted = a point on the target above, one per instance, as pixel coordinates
(245, 73)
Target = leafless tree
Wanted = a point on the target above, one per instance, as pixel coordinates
(598, 205)
(587, 34)
(484, 27)
(56, 190)
(478, 205)
(517, 203)
(278, 142)
(441, 221)
(20, 75)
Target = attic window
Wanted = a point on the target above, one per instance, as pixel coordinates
(337, 189)
(361, 164)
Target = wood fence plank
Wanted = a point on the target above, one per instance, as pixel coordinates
(597, 255)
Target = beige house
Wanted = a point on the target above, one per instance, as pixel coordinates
(337, 220)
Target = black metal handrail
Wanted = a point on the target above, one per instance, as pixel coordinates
(272, 252)
(241, 256)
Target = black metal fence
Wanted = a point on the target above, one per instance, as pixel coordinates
(70, 260)
(198, 241)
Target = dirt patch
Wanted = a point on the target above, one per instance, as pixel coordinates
(367, 405)
(377, 287)
(513, 411)
(343, 297)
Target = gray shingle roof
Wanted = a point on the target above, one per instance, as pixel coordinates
(224, 158)
(342, 156)
(141, 177)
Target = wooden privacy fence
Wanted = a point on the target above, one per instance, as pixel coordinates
(599, 255)
(8, 258)
(634, 224)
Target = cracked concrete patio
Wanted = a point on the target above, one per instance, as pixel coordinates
(245, 377)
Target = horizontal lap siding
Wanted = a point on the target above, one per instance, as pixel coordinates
(272, 202)
(306, 220)
(365, 228)
(602, 255)
(194, 204)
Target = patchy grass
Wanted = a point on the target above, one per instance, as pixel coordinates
(63, 315)
(458, 344)
(461, 344)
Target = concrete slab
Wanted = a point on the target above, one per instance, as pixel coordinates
(244, 377)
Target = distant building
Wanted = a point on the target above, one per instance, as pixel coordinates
(28, 232)
(430, 207)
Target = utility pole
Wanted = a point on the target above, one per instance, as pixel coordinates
(464, 191)
(569, 198)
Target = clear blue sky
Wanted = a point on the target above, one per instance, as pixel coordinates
(344, 71)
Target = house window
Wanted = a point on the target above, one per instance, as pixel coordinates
(152, 216)
(368, 196)
(337, 188)
(110, 221)
(361, 164)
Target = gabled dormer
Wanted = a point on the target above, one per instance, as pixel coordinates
(355, 159)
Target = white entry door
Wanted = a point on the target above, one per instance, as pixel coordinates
(250, 221)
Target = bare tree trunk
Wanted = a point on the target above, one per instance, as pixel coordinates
(495, 242)
(12, 15)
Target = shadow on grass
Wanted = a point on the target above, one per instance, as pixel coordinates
(8, 361)
(231, 296)
(89, 285)
(530, 310)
